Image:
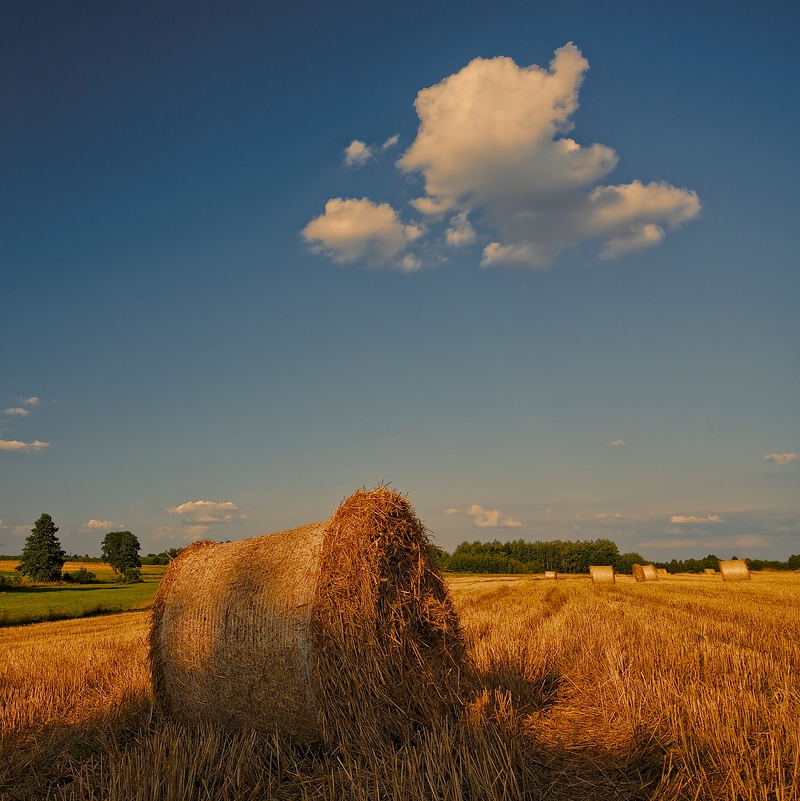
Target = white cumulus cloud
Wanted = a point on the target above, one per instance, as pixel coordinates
(390, 142)
(14, 445)
(103, 524)
(357, 154)
(494, 151)
(32, 401)
(782, 458)
(351, 230)
(17, 410)
(208, 512)
(492, 140)
(617, 443)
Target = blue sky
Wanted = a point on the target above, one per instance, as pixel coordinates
(244, 274)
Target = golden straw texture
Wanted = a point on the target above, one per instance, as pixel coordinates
(340, 631)
(734, 570)
(602, 574)
(645, 572)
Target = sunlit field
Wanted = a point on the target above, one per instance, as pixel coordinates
(60, 600)
(686, 688)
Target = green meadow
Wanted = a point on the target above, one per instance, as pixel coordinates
(36, 603)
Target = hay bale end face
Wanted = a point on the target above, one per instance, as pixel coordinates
(734, 570)
(341, 632)
(602, 574)
(662, 571)
(551, 574)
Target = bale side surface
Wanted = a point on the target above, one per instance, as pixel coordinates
(638, 572)
(230, 633)
(550, 574)
(602, 574)
(386, 640)
(734, 570)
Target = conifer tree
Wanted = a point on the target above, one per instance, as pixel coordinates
(42, 556)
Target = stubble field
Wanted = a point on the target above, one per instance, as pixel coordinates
(683, 689)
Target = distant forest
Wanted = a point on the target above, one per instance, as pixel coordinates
(562, 556)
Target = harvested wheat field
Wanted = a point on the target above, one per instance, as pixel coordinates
(671, 691)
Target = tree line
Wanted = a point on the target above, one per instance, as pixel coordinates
(565, 556)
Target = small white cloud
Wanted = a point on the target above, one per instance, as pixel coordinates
(351, 230)
(782, 458)
(16, 446)
(357, 153)
(491, 518)
(410, 263)
(104, 524)
(617, 443)
(390, 142)
(17, 410)
(695, 519)
(461, 233)
(485, 518)
(32, 401)
(208, 512)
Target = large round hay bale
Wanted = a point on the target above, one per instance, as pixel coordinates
(645, 572)
(662, 571)
(734, 570)
(341, 632)
(551, 574)
(602, 574)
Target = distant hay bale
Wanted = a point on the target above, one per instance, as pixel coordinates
(341, 632)
(734, 570)
(602, 574)
(662, 571)
(709, 571)
(645, 572)
(550, 574)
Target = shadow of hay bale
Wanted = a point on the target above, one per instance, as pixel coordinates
(340, 632)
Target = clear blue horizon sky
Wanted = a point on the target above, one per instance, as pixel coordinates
(244, 274)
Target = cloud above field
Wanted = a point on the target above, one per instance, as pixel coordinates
(485, 518)
(110, 525)
(17, 410)
(617, 443)
(492, 146)
(208, 512)
(694, 519)
(782, 458)
(357, 153)
(15, 446)
(353, 230)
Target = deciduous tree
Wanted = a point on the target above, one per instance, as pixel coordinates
(121, 550)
